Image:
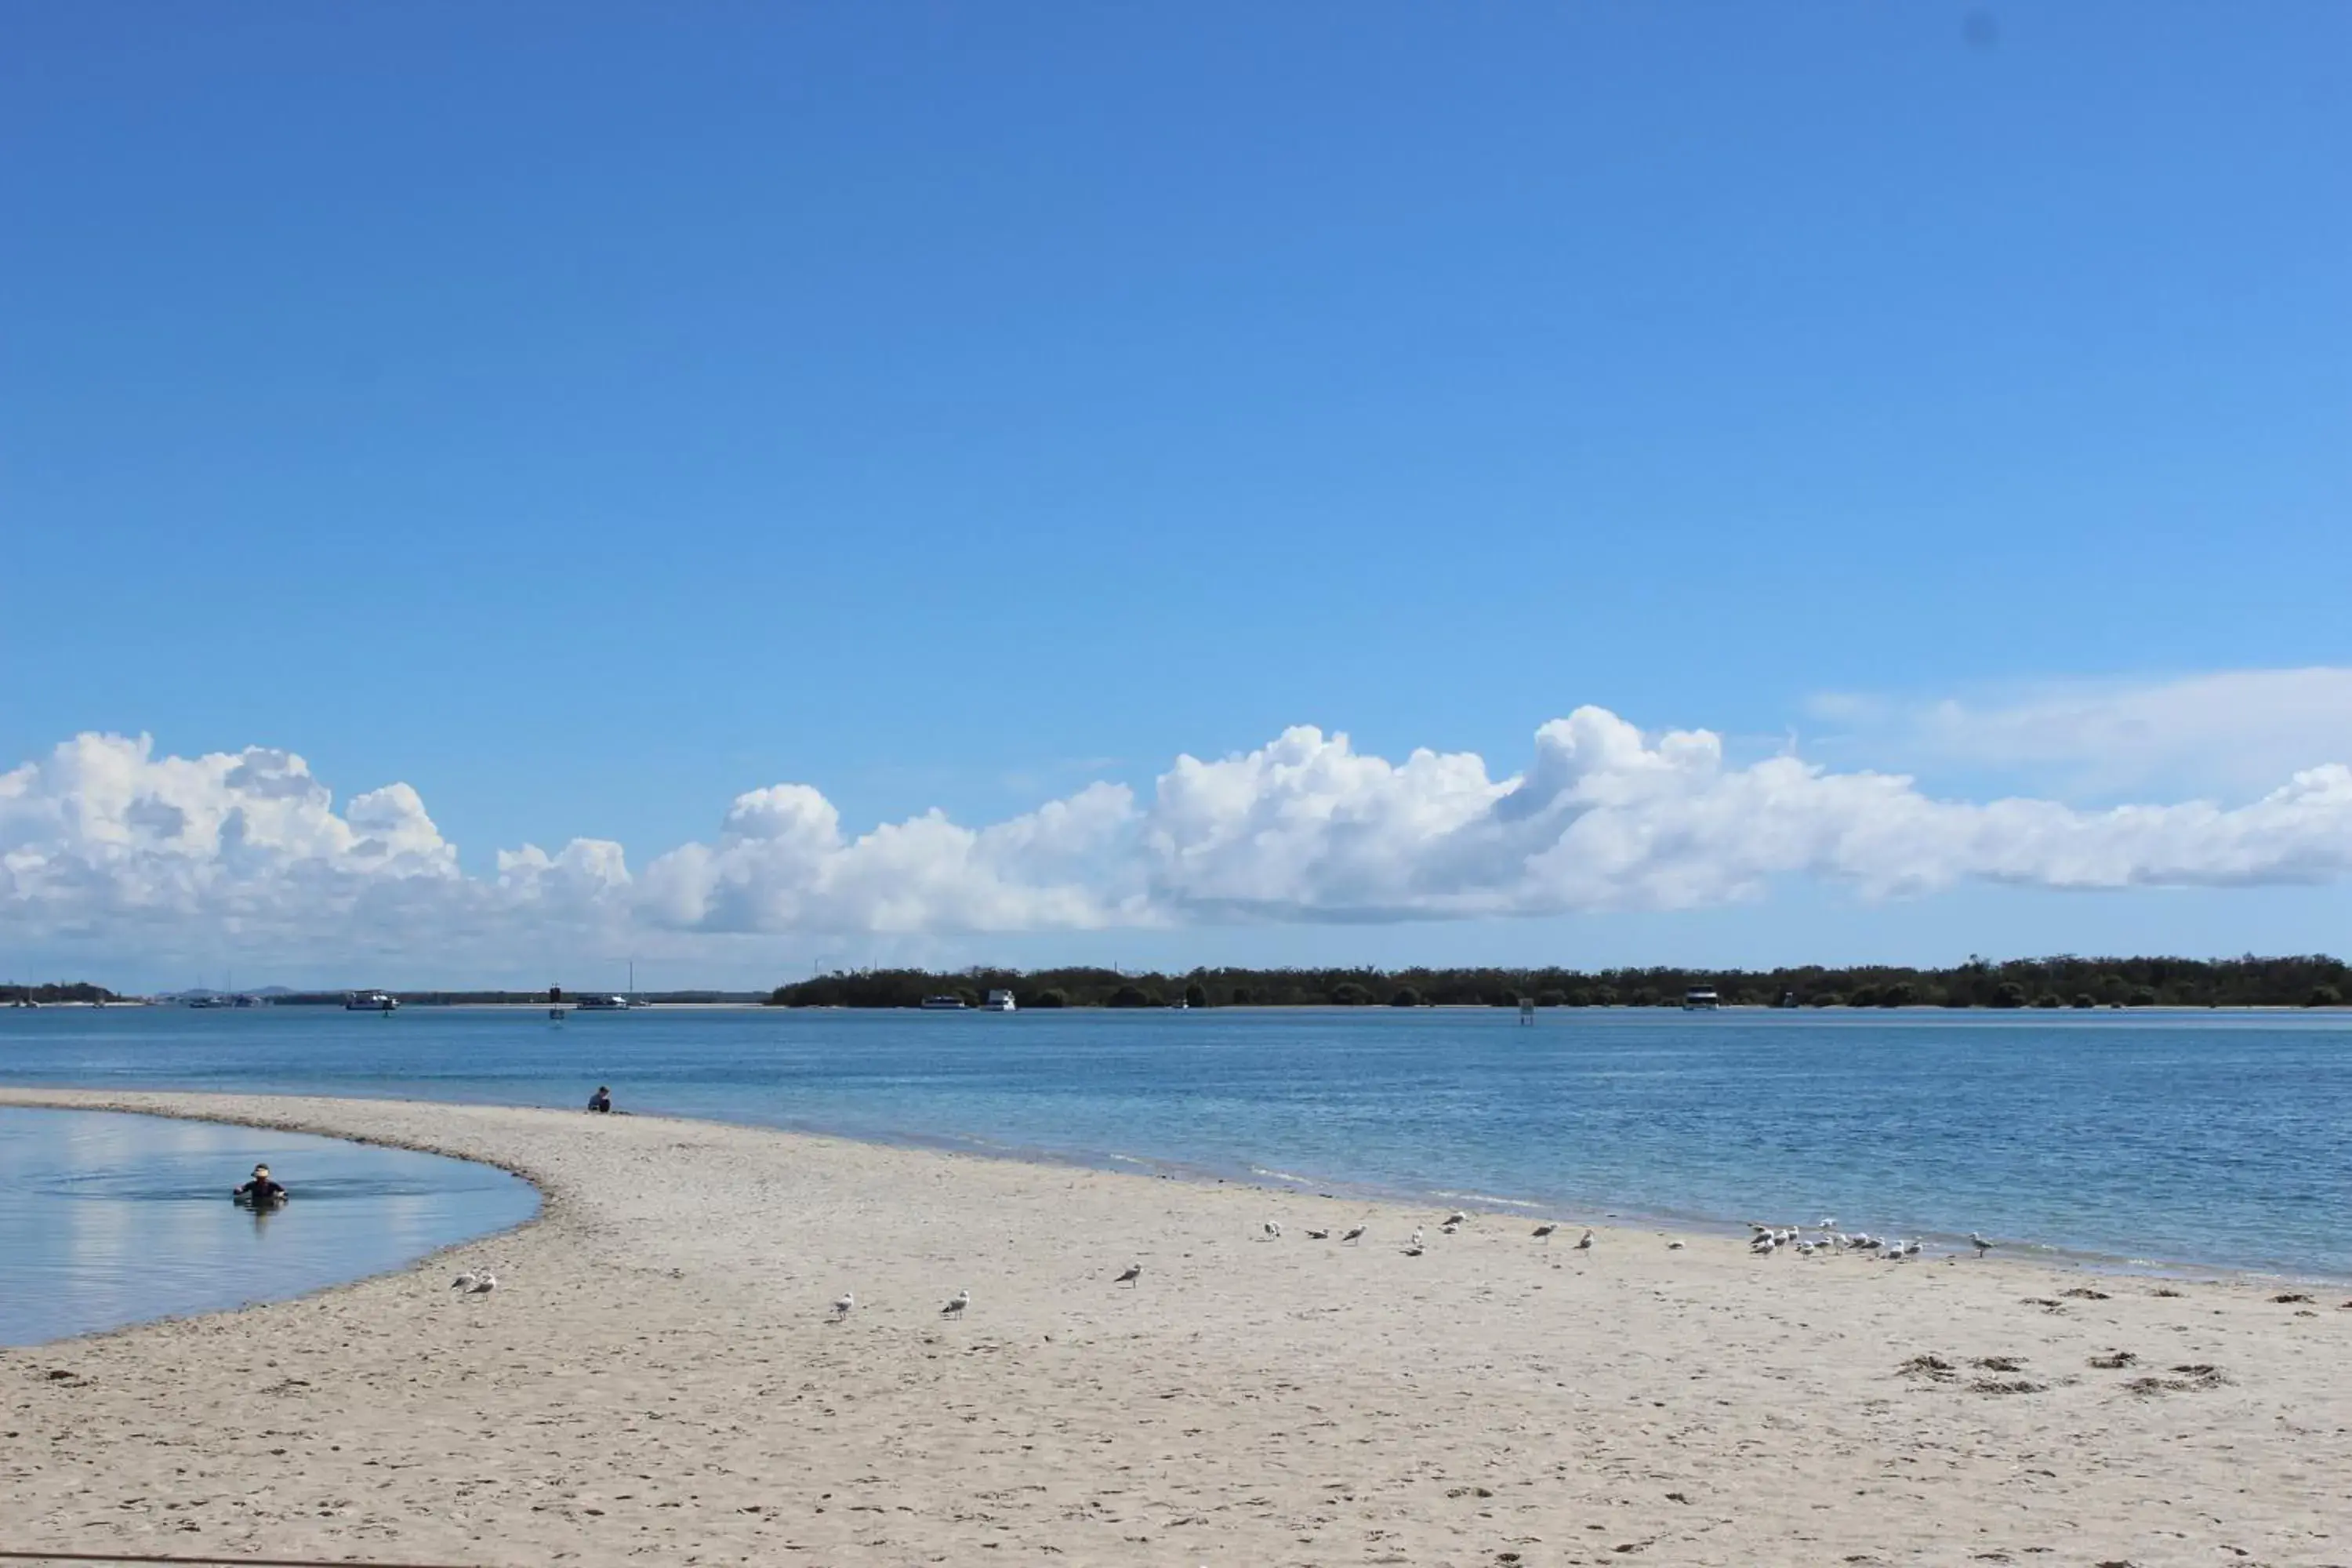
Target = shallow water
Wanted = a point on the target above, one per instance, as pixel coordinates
(2196, 1139)
(108, 1219)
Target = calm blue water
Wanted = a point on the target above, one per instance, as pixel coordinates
(107, 1220)
(2204, 1138)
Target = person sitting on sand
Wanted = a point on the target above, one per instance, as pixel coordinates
(602, 1100)
(262, 1190)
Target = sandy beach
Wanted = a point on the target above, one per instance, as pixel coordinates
(660, 1379)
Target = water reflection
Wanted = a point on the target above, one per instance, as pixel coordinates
(109, 1219)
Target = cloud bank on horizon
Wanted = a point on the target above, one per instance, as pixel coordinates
(104, 839)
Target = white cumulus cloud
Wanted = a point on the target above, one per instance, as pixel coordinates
(105, 840)
(2232, 731)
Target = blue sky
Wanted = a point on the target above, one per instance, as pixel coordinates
(587, 414)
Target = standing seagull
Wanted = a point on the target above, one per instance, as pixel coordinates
(463, 1281)
(1274, 1230)
(1134, 1272)
(1979, 1242)
(1457, 1217)
(1584, 1242)
(1543, 1232)
(956, 1304)
(483, 1286)
(844, 1304)
(1318, 1236)
(1415, 1242)
(1355, 1235)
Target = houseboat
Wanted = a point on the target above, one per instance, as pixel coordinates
(1700, 1001)
(998, 1002)
(369, 1002)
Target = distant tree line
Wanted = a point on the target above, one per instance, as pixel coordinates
(2316, 981)
(12, 993)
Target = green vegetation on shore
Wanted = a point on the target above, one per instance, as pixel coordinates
(12, 993)
(2316, 981)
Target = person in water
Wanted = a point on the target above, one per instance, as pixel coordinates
(602, 1100)
(262, 1190)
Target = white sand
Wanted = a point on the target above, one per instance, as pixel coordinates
(657, 1381)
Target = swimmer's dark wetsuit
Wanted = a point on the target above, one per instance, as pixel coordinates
(259, 1191)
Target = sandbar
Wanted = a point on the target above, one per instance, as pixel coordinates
(660, 1378)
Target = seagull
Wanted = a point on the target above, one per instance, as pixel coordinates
(1763, 1245)
(1415, 1242)
(1274, 1230)
(1357, 1234)
(1414, 1251)
(1829, 1222)
(483, 1286)
(956, 1304)
(463, 1282)
(844, 1304)
(1979, 1243)
(1449, 1229)
(1674, 1247)
(1318, 1236)
(1457, 1217)
(1584, 1242)
(1133, 1272)
(1543, 1232)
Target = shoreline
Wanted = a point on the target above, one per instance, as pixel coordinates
(127, 1267)
(1628, 1217)
(660, 1377)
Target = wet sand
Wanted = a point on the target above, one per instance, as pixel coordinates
(659, 1378)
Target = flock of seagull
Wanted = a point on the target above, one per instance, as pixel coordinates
(1765, 1240)
(1416, 1243)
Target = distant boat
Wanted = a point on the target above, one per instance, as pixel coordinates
(943, 1004)
(998, 1002)
(369, 1002)
(1700, 1001)
(601, 1003)
(206, 1001)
